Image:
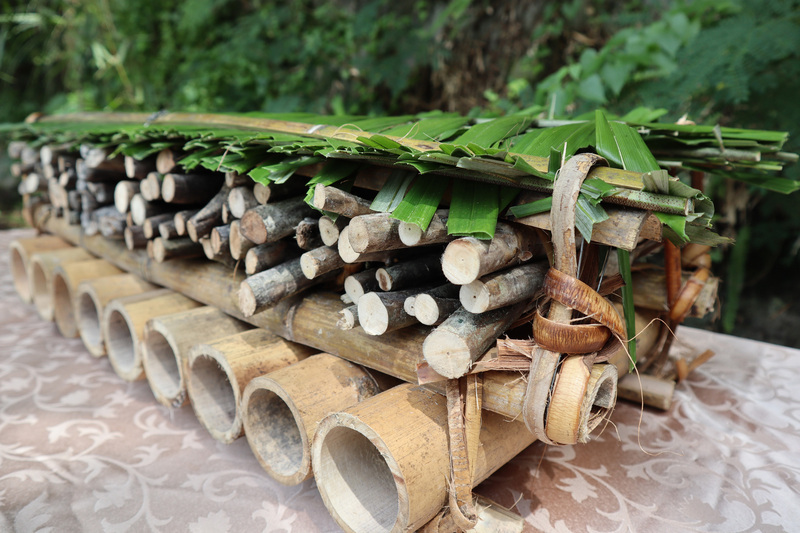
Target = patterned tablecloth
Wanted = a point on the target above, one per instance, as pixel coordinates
(81, 450)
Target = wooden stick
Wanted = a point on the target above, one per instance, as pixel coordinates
(337, 201)
(150, 226)
(124, 321)
(358, 284)
(66, 277)
(20, 252)
(320, 261)
(134, 237)
(307, 234)
(240, 199)
(180, 219)
(651, 292)
(42, 265)
(141, 209)
(90, 300)
(226, 214)
(150, 187)
(329, 230)
(434, 307)
(166, 160)
(264, 256)
(349, 318)
(424, 270)
(261, 193)
(189, 189)
(167, 229)
(268, 223)
(281, 410)
(233, 179)
(220, 240)
(351, 256)
(138, 169)
(175, 248)
(166, 343)
(467, 259)
(87, 173)
(123, 194)
(219, 371)
(504, 288)
(278, 191)
(399, 440)
(436, 233)
(98, 158)
(374, 233)
(110, 222)
(239, 244)
(68, 178)
(265, 289)
(102, 192)
(210, 216)
(459, 341)
(653, 391)
(381, 312)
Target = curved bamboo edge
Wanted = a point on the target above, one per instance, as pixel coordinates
(66, 278)
(20, 252)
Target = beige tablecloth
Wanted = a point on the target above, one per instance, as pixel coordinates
(81, 450)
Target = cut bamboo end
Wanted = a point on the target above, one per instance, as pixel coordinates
(124, 320)
(653, 391)
(219, 371)
(66, 278)
(383, 464)
(166, 344)
(42, 265)
(90, 300)
(20, 252)
(282, 410)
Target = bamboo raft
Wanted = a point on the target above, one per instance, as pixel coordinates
(359, 300)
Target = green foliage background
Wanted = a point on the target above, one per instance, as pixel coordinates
(733, 62)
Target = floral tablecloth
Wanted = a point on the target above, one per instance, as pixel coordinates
(81, 450)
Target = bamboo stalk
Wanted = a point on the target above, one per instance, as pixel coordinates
(20, 252)
(415, 272)
(124, 193)
(337, 201)
(210, 216)
(271, 222)
(66, 277)
(238, 243)
(503, 288)
(358, 284)
(166, 344)
(219, 371)
(320, 261)
(374, 233)
(183, 248)
(240, 199)
(436, 233)
(329, 229)
(264, 256)
(90, 300)
(124, 321)
(396, 450)
(265, 289)
(307, 234)
(189, 189)
(281, 410)
(467, 259)
(42, 266)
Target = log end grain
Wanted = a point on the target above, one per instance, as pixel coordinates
(253, 228)
(247, 300)
(461, 261)
(474, 297)
(447, 353)
(410, 234)
(372, 314)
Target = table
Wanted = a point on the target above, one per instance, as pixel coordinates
(82, 450)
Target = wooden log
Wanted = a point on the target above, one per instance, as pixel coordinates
(167, 229)
(271, 222)
(42, 265)
(183, 248)
(187, 189)
(265, 289)
(233, 179)
(651, 293)
(307, 234)
(374, 233)
(166, 344)
(220, 240)
(219, 372)
(503, 288)
(349, 255)
(67, 162)
(358, 284)
(123, 194)
(278, 191)
(348, 318)
(141, 209)
(150, 226)
(423, 270)
(238, 243)
(134, 237)
(95, 174)
(226, 214)
(68, 178)
(138, 169)
(110, 222)
(102, 192)
(433, 307)
(282, 409)
(180, 219)
(644, 388)
(381, 312)
(240, 199)
(123, 326)
(150, 187)
(320, 261)
(66, 278)
(99, 158)
(20, 252)
(436, 233)
(467, 259)
(59, 196)
(264, 256)
(90, 300)
(207, 218)
(330, 229)
(261, 193)
(166, 160)
(15, 149)
(337, 201)
(396, 450)
(459, 341)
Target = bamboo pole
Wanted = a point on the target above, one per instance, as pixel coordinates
(124, 320)
(383, 465)
(219, 371)
(503, 288)
(268, 223)
(189, 189)
(166, 344)
(42, 266)
(20, 252)
(281, 410)
(66, 278)
(90, 300)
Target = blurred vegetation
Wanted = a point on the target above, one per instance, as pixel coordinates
(732, 62)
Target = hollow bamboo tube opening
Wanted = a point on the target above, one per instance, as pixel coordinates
(166, 345)
(20, 252)
(124, 320)
(66, 279)
(218, 373)
(92, 297)
(281, 410)
(41, 276)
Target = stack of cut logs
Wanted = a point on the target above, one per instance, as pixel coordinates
(240, 337)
